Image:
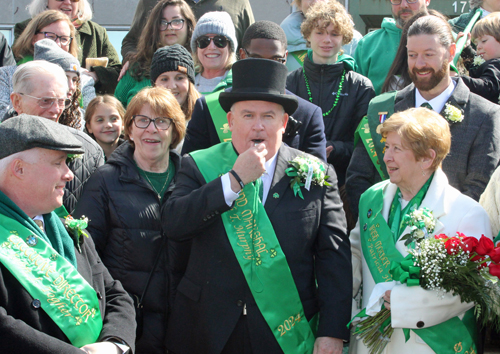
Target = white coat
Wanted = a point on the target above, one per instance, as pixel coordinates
(455, 212)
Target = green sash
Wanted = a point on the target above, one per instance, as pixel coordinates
(63, 293)
(379, 250)
(300, 56)
(367, 130)
(219, 116)
(260, 256)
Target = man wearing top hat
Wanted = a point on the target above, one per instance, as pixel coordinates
(56, 296)
(269, 264)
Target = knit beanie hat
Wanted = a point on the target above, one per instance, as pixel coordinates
(170, 58)
(215, 22)
(47, 49)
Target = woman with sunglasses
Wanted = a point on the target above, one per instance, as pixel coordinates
(213, 45)
(92, 39)
(123, 200)
(170, 22)
(49, 25)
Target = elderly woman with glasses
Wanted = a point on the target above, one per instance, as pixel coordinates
(91, 38)
(416, 142)
(170, 22)
(213, 45)
(123, 200)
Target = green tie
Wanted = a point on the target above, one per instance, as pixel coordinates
(426, 105)
(259, 186)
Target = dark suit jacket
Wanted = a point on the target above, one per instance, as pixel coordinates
(310, 137)
(474, 153)
(25, 329)
(211, 295)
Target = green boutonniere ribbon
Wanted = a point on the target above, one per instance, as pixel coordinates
(76, 228)
(304, 172)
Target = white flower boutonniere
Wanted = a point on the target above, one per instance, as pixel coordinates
(304, 172)
(421, 223)
(453, 114)
(478, 60)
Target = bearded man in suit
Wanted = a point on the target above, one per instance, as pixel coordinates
(474, 121)
(261, 266)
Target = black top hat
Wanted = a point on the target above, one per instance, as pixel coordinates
(259, 80)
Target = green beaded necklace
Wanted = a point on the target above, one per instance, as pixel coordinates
(336, 98)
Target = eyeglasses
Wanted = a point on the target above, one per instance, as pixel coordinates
(142, 122)
(398, 2)
(64, 40)
(204, 41)
(281, 60)
(47, 102)
(176, 24)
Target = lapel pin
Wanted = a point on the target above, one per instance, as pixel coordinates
(276, 195)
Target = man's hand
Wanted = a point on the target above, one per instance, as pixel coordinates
(328, 345)
(101, 348)
(329, 149)
(124, 70)
(387, 300)
(250, 165)
(92, 74)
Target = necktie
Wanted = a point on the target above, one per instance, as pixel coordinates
(426, 105)
(40, 224)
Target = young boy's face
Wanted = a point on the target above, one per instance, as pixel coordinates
(325, 44)
(488, 47)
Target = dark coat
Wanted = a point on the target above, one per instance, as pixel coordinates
(82, 168)
(474, 153)
(211, 295)
(484, 80)
(25, 329)
(93, 42)
(125, 223)
(309, 137)
(341, 123)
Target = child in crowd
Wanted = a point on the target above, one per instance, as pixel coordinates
(328, 80)
(484, 74)
(104, 122)
(297, 44)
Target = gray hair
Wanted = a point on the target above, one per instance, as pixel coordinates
(21, 80)
(432, 25)
(30, 156)
(38, 6)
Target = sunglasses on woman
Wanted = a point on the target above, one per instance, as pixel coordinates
(204, 41)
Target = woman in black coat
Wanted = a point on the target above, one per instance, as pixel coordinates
(123, 201)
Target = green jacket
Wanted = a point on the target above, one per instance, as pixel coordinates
(376, 52)
(93, 42)
(128, 87)
(239, 10)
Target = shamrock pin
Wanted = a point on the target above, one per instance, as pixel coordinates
(53, 256)
(225, 128)
(276, 195)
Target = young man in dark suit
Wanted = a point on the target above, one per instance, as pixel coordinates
(474, 121)
(265, 258)
(305, 130)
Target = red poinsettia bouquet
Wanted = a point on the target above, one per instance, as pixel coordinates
(460, 265)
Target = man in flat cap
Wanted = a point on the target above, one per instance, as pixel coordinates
(268, 258)
(55, 294)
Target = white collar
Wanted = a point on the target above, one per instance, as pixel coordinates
(485, 13)
(438, 102)
(267, 177)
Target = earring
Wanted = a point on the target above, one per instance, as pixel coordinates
(131, 138)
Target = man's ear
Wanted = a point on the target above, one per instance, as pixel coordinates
(16, 100)
(285, 121)
(230, 118)
(17, 167)
(242, 53)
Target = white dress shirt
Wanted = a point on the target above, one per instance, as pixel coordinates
(267, 179)
(437, 103)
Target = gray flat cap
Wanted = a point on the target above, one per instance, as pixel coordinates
(26, 132)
